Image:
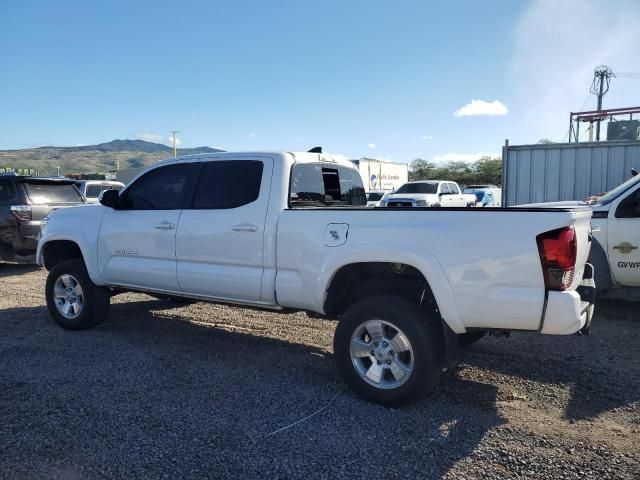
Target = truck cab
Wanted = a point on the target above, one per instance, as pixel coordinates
(616, 233)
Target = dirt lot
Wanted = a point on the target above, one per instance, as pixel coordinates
(168, 392)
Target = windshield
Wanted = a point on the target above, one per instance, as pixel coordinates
(421, 187)
(619, 190)
(53, 193)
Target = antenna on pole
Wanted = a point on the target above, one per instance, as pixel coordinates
(600, 86)
(173, 135)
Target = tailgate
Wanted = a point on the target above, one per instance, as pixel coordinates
(46, 196)
(583, 236)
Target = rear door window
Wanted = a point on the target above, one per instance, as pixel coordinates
(228, 184)
(325, 185)
(41, 192)
(444, 188)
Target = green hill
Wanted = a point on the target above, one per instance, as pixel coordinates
(92, 158)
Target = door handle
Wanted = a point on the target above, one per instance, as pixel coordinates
(165, 226)
(245, 227)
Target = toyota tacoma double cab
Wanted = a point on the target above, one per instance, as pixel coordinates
(291, 231)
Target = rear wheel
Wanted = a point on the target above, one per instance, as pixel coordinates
(73, 300)
(388, 350)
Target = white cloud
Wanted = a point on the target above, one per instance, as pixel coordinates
(462, 157)
(157, 138)
(427, 137)
(149, 137)
(371, 145)
(555, 50)
(480, 107)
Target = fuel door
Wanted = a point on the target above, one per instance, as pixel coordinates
(336, 234)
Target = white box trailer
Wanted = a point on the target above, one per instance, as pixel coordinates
(382, 175)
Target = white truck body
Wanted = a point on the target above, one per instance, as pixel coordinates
(429, 193)
(276, 252)
(616, 229)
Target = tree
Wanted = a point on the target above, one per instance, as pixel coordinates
(488, 170)
(485, 170)
(544, 141)
(420, 169)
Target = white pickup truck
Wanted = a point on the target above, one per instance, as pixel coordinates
(429, 193)
(290, 231)
(616, 231)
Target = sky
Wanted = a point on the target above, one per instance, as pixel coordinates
(395, 80)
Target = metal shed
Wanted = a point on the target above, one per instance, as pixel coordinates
(565, 171)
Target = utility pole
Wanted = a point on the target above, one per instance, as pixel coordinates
(173, 134)
(600, 86)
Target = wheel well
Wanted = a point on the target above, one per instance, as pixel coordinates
(58, 250)
(359, 280)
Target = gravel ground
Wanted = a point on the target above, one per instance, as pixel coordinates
(168, 392)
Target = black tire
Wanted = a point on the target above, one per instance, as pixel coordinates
(422, 329)
(96, 299)
(469, 338)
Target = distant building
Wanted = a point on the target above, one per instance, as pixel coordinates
(381, 174)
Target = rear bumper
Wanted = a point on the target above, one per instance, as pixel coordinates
(571, 312)
(19, 239)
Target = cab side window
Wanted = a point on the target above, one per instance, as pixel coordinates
(454, 188)
(164, 188)
(228, 184)
(444, 188)
(630, 206)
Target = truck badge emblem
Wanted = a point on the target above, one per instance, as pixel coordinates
(625, 247)
(335, 235)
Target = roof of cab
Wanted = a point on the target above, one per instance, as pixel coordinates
(298, 157)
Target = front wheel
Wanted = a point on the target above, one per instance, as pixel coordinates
(388, 350)
(73, 300)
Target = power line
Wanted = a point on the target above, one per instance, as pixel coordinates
(571, 126)
(173, 134)
(600, 86)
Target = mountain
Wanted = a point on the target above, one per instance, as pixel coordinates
(93, 158)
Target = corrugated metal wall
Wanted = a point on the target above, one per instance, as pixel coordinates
(565, 171)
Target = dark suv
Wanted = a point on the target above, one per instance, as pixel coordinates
(24, 202)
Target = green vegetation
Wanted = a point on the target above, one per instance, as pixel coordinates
(485, 170)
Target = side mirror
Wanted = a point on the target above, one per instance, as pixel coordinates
(109, 198)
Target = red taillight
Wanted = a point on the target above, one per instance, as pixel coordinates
(558, 251)
(21, 212)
